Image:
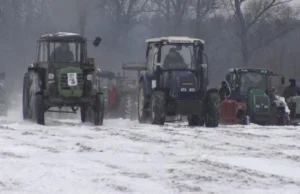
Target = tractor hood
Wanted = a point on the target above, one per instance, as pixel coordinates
(184, 82)
(70, 82)
(258, 101)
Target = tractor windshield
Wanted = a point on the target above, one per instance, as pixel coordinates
(65, 51)
(177, 56)
(252, 80)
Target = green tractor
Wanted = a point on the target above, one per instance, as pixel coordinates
(253, 96)
(62, 76)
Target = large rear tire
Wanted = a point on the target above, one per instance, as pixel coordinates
(213, 110)
(39, 113)
(83, 110)
(25, 97)
(157, 108)
(143, 116)
(98, 111)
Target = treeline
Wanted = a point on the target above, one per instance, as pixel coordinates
(254, 33)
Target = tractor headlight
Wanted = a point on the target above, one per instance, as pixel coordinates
(192, 90)
(89, 77)
(183, 89)
(50, 76)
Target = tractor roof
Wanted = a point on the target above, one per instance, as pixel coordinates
(175, 39)
(62, 36)
(258, 70)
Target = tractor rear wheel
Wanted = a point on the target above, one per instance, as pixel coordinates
(97, 111)
(213, 110)
(39, 112)
(25, 97)
(157, 108)
(83, 110)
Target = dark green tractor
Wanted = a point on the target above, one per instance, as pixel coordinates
(253, 95)
(62, 76)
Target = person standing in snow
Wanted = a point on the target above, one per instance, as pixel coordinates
(224, 91)
(292, 89)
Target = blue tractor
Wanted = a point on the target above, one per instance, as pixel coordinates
(175, 83)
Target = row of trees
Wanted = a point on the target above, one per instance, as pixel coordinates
(237, 32)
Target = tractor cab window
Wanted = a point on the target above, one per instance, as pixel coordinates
(65, 51)
(252, 80)
(177, 56)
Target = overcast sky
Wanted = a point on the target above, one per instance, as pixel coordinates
(296, 2)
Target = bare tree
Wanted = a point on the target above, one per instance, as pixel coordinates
(203, 9)
(174, 12)
(248, 19)
(123, 15)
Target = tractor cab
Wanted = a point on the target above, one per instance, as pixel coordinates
(177, 59)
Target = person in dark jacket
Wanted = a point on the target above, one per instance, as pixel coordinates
(292, 89)
(173, 60)
(224, 91)
(62, 53)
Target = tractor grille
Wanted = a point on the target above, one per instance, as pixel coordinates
(189, 81)
(64, 81)
(262, 104)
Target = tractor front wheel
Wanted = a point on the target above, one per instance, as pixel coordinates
(39, 113)
(98, 111)
(83, 111)
(213, 110)
(25, 97)
(157, 108)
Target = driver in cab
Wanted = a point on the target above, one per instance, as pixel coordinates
(62, 53)
(173, 60)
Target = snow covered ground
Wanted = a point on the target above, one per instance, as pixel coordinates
(126, 157)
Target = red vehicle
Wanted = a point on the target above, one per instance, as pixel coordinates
(120, 92)
(253, 98)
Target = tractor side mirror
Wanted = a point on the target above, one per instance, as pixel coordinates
(2, 76)
(282, 80)
(97, 41)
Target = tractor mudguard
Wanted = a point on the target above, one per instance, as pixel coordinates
(178, 80)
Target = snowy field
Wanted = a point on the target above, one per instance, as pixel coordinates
(126, 157)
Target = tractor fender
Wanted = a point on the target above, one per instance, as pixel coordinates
(147, 84)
